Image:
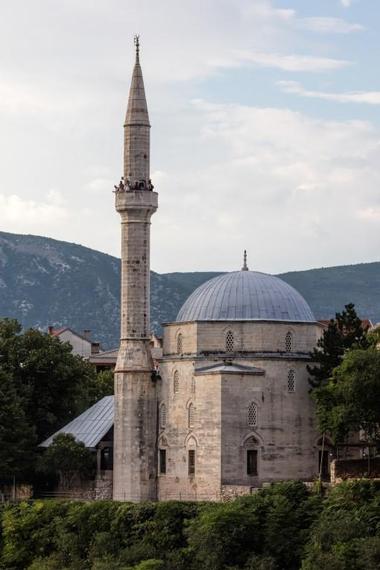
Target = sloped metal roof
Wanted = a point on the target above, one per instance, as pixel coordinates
(245, 295)
(90, 426)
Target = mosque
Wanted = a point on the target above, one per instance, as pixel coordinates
(229, 409)
(226, 408)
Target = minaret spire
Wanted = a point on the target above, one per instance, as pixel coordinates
(245, 266)
(137, 130)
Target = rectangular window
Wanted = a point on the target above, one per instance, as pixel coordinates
(191, 463)
(162, 461)
(251, 462)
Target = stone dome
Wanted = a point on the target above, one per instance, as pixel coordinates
(245, 295)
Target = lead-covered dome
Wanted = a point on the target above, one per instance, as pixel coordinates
(245, 295)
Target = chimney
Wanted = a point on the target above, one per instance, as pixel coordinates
(50, 329)
(87, 334)
(95, 348)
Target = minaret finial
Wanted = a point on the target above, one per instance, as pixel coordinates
(245, 266)
(137, 44)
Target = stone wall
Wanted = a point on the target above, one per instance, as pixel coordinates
(21, 492)
(285, 432)
(343, 469)
(178, 437)
(231, 492)
(249, 336)
(285, 436)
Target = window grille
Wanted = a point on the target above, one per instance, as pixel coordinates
(191, 414)
(193, 385)
(191, 461)
(163, 416)
(176, 382)
(179, 344)
(229, 341)
(252, 414)
(251, 462)
(162, 461)
(288, 342)
(291, 381)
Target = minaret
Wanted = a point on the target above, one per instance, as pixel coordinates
(135, 392)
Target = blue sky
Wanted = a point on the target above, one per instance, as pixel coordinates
(265, 126)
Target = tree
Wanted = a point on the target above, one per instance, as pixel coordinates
(42, 368)
(350, 401)
(46, 386)
(346, 535)
(17, 435)
(102, 385)
(67, 458)
(343, 332)
(224, 536)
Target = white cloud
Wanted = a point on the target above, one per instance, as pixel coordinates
(370, 213)
(297, 63)
(329, 25)
(288, 18)
(230, 176)
(31, 97)
(99, 185)
(277, 182)
(30, 215)
(367, 97)
(346, 3)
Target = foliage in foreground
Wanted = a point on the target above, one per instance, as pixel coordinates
(342, 334)
(350, 401)
(42, 387)
(68, 458)
(284, 527)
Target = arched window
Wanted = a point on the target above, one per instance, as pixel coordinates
(179, 343)
(288, 342)
(163, 416)
(191, 461)
(252, 414)
(191, 454)
(291, 381)
(251, 456)
(162, 461)
(229, 341)
(176, 382)
(191, 415)
(193, 384)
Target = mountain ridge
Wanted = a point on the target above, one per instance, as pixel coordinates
(44, 281)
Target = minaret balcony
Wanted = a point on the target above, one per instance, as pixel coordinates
(136, 200)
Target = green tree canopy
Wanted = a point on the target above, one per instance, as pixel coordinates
(343, 333)
(67, 458)
(350, 401)
(44, 386)
(17, 435)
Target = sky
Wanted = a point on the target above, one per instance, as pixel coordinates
(265, 127)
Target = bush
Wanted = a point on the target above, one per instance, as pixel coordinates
(346, 536)
(67, 458)
(284, 527)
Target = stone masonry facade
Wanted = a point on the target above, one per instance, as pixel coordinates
(229, 409)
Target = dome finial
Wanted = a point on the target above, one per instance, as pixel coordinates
(136, 40)
(245, 266)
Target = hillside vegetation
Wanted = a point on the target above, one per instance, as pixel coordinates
(284, 527)
(49, 282)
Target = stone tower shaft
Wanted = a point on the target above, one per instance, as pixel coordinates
(135, 391)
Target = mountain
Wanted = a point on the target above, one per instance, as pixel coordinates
(49, 282)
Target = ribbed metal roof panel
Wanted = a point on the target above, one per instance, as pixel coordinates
(245, 295)
(90, 426)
